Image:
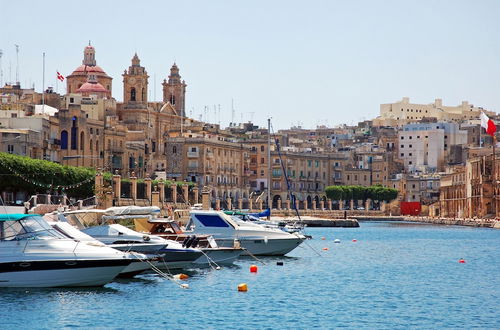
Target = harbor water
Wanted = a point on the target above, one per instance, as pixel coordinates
(395, 276)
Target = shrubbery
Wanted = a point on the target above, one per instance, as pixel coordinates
(378, 193)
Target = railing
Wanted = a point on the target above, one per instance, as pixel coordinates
(193, 154)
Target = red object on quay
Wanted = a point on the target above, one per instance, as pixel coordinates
(462, 261)
(253, 269)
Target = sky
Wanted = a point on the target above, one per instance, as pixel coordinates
(304, 63)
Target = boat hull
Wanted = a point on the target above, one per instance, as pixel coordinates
(262, 247)
(177, 259)
(60, 273)
(221, 256)
(135, 268)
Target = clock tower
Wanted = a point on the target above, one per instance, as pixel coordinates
(135, 85)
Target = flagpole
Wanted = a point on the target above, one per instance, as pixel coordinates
(43, 82)
(494, 180)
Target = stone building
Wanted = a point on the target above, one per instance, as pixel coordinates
(403, 112)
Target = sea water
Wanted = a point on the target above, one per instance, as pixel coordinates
(395, 276)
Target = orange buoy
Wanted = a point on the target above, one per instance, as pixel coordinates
(253, 269)
(325, 249)
(462, 261)
(323, 238)
(181, 276)
(242, 287)
(354, 240)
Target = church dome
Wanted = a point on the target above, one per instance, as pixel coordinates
(85, 69)
(89, 87)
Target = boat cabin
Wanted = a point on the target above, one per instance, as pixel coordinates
(17, 227)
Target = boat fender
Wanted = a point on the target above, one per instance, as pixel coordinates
(185, 241)
(266, 239)
(190, 241)
(146, 238)
(236, 244)
(195, 242)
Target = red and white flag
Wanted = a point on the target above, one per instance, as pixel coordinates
(60, 76)
(488, 124)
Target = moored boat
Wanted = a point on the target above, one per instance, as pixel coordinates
(33, 254)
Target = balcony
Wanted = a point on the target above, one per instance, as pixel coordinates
(193, 154)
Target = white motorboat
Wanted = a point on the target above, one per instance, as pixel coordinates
(256, 239)
(173, 254)
(212, 253)
(33, 254)
(141, 263)
(101, 227)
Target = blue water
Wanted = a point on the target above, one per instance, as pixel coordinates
(397, 276)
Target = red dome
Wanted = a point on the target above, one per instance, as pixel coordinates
(86, 68)
(92, 88)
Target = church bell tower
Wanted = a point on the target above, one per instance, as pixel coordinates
(135, 85)
(174, 91)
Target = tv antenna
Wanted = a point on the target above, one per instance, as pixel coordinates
(17, 64)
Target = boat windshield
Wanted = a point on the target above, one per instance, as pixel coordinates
(33, 227)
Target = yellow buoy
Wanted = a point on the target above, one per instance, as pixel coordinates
(242, 287)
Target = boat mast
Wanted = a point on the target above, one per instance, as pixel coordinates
(269, 165)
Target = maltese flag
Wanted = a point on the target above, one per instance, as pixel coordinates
(60, 76)
(488, 124)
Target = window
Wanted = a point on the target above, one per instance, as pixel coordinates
(262, 148)
(174, 149)
(402, 154)
(402, 146)
(410, 154)
(410, 146)
(402, 138)
(64, 140)
(132, 94)
(262, 160)
(10, 148)
(82, 140)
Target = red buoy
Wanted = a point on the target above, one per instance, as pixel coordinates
(325, 249)
(323, 238)
(354, 240)
(462, 261)
(253, 269)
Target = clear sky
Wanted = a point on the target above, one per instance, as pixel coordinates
(301, 62)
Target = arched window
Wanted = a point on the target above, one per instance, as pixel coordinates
(174, 149)
(132, 94)
(143, 96)
(172, 99)
(82, 140)
(91, 146)
(64, 140)
(97, 145)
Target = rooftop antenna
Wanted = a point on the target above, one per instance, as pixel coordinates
(17, 64)
(219, 115)
(1, 71)
(232, 112)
